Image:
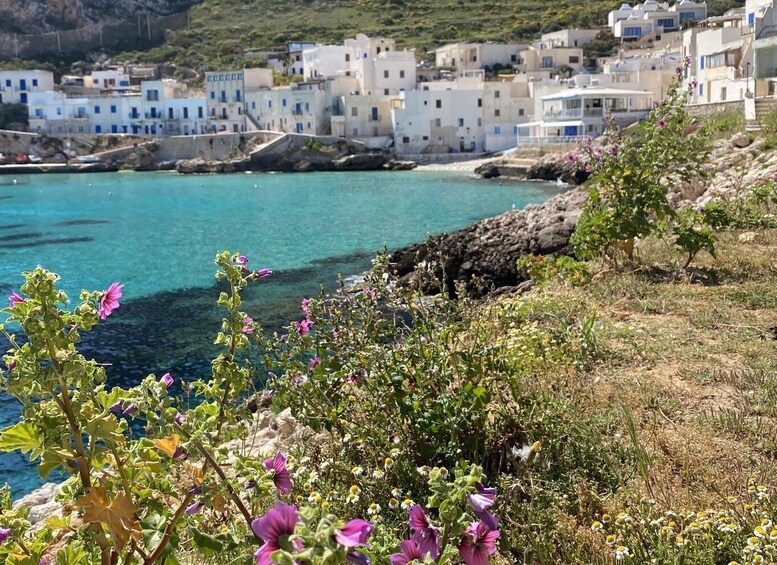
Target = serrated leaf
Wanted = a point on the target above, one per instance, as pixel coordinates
(22, 436)
(118, 514)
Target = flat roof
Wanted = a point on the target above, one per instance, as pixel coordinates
(575, 92)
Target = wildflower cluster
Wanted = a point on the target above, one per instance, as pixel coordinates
(743, 532)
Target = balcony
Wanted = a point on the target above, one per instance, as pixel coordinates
(374, 117)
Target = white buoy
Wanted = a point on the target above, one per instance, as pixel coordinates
(14, 181)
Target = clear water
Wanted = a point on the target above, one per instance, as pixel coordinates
(157, 233)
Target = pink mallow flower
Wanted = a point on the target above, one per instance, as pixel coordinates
(167, 380)
(313, 363)
(262, 273)
(408, 551)
(477, 544)
(281, 477)
(109, 301)
(424, 533)
(13, 300)
(274, 528)
(241, 260)
(354, 533)
(179, 418)
(193, 508)
(5, 534)
(248, 325)
(480, 502)
(303, 327)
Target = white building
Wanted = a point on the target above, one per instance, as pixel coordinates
(167, 108)
(653, 18)
(16, 86)
(57, 113)
(721, 55)
(464, 57)
(111, 79)
(569, 37)
(762, 22)
(300, 108)
(225, 93)
(574, 114)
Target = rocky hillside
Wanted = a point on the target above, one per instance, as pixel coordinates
(40, 16)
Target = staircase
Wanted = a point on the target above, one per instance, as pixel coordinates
(763, 107)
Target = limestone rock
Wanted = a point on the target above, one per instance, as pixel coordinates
(41, 502)
(740, 140)
(484, 255)
(360, 162)
(748, 237)
(395, 165)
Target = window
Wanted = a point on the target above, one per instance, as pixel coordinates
(38, 112)
(283, 102)
(438, 103)
(723, 94)
(199, 111)
(152, 95)
(520, 111)
(354, 112)
(253, 105)
(701, 90)
(405, 140)
(385, 74)
(480, 102)
(269, 103)
(113, 108)
(574, 59)
(114, 129)
(480, 122)
(237, 95)
(666, 23)
(750, 19)
(169, 113)
(425, 138)
(497, 94)
(461, 122)
(547, 62)
(701, 61)
(513, 58)
(437, 122)
(212, 94)
(96, 109)
(632, 32)
(385, 91)
(59, 111)
(497, 130)
(34, 82)
(223, 96)
(497, 113)
(98, 129)
(347, 57)
(186, 113)
(401, 74)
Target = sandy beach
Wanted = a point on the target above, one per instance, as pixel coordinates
(469, 165)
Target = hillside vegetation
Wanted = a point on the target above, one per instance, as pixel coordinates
(221, 30)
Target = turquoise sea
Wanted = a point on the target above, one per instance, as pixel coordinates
(157, 233)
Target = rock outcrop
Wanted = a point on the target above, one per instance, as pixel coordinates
(557, 166)
(484, 255)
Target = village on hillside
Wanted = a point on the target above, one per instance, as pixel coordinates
(472, 98)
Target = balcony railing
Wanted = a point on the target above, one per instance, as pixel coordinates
(587, 113)
(553, 140)
(374, 117)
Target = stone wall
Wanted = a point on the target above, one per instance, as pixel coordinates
(708, 109)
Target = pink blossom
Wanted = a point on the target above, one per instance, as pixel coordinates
(354, 533)
(193, 508)
(167, 380)
(262, 273)
(357, 378)
(279, 522)
(313, 363)
(131, 410)
(408, 551)
(248, 325)
(661, 123)
(306, 306)
(179, 418)
(477, 544)
(303, 327)
(13, 300)
(5, 534)
(424, 533)
(109, 301)
(281, 476)
(241, 260)
(480, 502)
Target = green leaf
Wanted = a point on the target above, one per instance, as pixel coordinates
(208, 545)
(22, 436)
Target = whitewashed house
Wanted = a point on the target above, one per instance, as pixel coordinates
(762, 22)
(574, 114)
(167, 108)
(225, 93)
(569, 37)
(16, 86)
(299, 108)
(653, 18)
(721, 59)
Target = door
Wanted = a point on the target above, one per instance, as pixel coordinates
(22, 84)
(570, 131)
(298, 128)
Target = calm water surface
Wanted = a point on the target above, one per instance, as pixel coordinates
(157, 233)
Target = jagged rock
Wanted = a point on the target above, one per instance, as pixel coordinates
(303, 167)
(395, 165)
(40, 502)
(557, 166)
(488, 170)
(360, 162)
(740, 140)
(484, 255)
